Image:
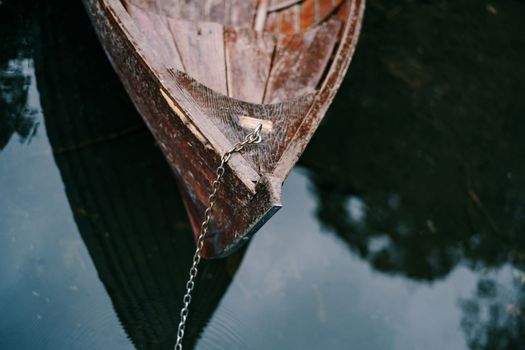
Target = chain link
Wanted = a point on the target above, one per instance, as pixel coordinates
(252, 138)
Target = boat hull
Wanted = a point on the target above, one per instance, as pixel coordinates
(173, 105)
(240, 210)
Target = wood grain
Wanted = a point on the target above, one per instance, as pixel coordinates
(242, 12)
(248, 60)
(276, 5)
(156, 42)
(291, 17)
(272, 23)
(201, 47)
(214, 11)
(300, 61)
(160, 7)
(160, 26)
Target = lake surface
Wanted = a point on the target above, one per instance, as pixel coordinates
(402, 227)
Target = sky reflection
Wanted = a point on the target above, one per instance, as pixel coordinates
(300, 289)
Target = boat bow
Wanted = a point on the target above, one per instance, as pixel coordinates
(203, 74)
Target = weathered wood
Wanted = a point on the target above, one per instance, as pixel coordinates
(300, 62)
(162, 27)
(272, 22)
(276, 5)
(144, 22)
(214, 11)
(242, 12)
(343, 11)
(322, 10)
(161, 7)
(198, 115)
(260, 17)
(248, 61)
(289, 17)
(191, 10)
(155, 28)
(201, 47)
(290, 20)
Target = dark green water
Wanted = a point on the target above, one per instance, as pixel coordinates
(403, 225)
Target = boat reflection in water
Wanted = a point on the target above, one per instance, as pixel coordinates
(120, 188)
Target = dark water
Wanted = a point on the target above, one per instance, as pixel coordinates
(403, 225)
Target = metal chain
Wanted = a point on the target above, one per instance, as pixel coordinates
(252, 138)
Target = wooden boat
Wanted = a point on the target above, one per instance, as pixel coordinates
(205, 73)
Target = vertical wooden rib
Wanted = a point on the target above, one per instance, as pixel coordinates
(248, 60)
(300, 61)
(201, 47)
(261, 14)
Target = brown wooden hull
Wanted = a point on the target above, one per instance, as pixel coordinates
(193, 144)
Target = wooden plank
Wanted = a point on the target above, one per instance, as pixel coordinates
(290, 20)
(300, 61)
(248, 60)
(272, 22)
(155, 28)
(161, 26)
(322, 9)
(309, 13)
(214, 11)
(159, 7)
(192, 10)
(343, 11)
(201, 48)
(242, 12)
(144, 23)
(261, 14)
(314, 12)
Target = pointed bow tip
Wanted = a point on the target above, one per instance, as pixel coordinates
(265, 203)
